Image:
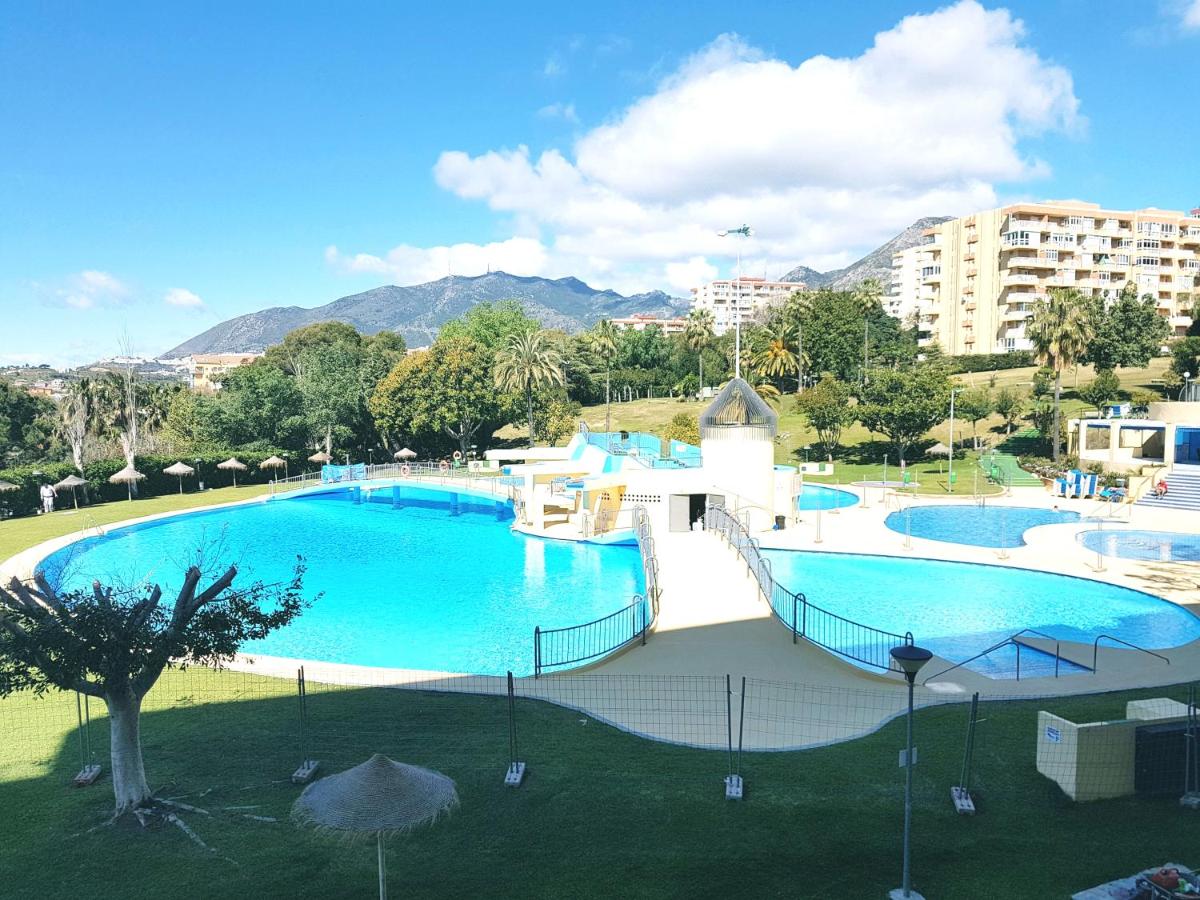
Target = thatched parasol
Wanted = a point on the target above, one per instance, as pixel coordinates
(405, 454)
(128, 476)
(72, 482)
(938, 449)
(379, 797)
(276, 463)
(320, 457)
(179, 469)
(8, 486)
(233, 464)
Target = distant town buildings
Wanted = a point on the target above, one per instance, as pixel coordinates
(206, 368)
(642, 321)
(746, 297)
(981, 275)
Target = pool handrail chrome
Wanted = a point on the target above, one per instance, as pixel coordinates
(1015, 640)
(1109, 637)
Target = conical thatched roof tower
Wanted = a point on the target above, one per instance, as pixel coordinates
(738, 413)
(737, 443)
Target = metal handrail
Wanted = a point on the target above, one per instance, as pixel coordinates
(1109, 637)
(807, 620)
(1014, 640)
(555, 647)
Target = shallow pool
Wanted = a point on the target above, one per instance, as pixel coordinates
(980, 526)
(430, 584)
(1165, 546)
(818, 496)
(960, 609)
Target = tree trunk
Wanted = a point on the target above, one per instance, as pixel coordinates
(1057, 412)
(128, 773)
(329, 441)
(607, 403)
(700, 393)
(529, 400)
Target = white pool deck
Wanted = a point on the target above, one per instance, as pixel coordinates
(714, 622)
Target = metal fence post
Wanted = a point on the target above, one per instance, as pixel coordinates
(308, 766)
(733, 781)
(961, 793)
(89, 769)
(516, 769)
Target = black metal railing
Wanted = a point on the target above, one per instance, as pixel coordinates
(828, 630)
(555, 648)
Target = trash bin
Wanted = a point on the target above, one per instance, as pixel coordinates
(780, 522)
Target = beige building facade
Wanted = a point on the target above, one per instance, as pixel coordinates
(642, 321)
(206, 368)
(981, 275)
(745, 298)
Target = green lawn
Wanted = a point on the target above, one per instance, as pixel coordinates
(20, 533)
(602, 813)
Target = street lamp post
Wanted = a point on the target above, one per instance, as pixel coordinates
(745, 231)
(909, 658)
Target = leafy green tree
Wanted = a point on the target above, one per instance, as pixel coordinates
(490, 325)
(527, 364)
(826, 407)
(903, 405)
(555, 420)
(257, 404)
(683, 427)
(27, 425)
(1009, 406)
(1126, 332)
(973, 406)
(303, 345)
(331, 392)
(1060, 329)
(838, 326)
(115, 646)
(1102, 390)
(1043, 383)
(1185, 360)
(445, 391)
(698, 336)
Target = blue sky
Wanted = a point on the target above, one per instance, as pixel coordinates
(164, 168)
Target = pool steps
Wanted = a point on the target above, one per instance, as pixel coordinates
(1183, 491)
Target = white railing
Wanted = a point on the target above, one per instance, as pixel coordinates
(428, 473)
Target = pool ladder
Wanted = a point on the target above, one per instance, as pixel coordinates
(1015, 640)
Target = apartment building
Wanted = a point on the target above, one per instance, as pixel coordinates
(745, 297)
(981, 275)
(904, 292)
(205, 369)
(642, 321)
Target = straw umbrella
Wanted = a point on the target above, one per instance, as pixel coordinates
(8, 486)
(179, 469)
(405, 454)
(938, 449)
(379, 797)
(128, 476)
(320, 457)
(276, 463)
(72, 481)
(233, 464)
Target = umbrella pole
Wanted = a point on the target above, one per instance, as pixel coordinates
(129, 490)
(181, 484)
(382, 867)
(75, 497)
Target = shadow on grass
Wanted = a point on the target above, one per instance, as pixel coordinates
(602, 813)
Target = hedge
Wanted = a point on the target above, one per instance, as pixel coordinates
(25, 500)
(991, 362)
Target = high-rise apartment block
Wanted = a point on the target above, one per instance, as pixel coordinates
(745, 297)
(981, 275)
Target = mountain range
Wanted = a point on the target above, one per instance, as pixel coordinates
(417, 311)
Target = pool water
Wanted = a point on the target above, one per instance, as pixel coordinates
(960, 609)
(818, 496)
(979, 526)
(1164, 546)
(429, 585)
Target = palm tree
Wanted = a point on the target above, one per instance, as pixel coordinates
(1060, 330)
(775, 360)
(602, 341)
(527, 363)
(767, 391)
(698, 335)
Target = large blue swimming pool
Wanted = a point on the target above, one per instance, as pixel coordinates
(960, 609)
(1164, 546)
(980, 526)
(818, 496)
(422, 586)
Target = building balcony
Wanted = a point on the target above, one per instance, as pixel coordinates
(1019, 278)
(970, 306)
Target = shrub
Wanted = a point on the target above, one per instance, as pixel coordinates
(683, 427)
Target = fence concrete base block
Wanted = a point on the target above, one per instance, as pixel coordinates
(87, 775)
(898, 894)
(307, 770)
(963, 804)
(733, 787)
(1191, 800)
(515, 774)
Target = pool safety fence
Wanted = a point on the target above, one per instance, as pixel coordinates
(559, 648)
(248, 736)
(807, 621)
(424, 472)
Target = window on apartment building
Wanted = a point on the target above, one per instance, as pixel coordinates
(1017, 238)
(1110, 225)
(1148, 261)
(1050, 255)
(1125, 244)
(1103, 276)
(1149, 244)
(1010, 344)
(1121, 259)
(1167, 228)
(1074, 220)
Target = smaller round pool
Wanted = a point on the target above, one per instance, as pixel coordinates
(980, 526)
(818, 496)
(1164, 546)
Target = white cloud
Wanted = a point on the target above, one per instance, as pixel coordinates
(1191, 15)
(83, 290)
(826, 158)
(406, 264)
(565, 111)
(554, 66)
(182, 297)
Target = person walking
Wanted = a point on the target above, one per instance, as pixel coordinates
(46, 492)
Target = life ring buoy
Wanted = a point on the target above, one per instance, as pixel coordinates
(458, 454)
(405, 470)
(444, 466)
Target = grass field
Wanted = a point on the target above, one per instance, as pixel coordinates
(602, 813)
